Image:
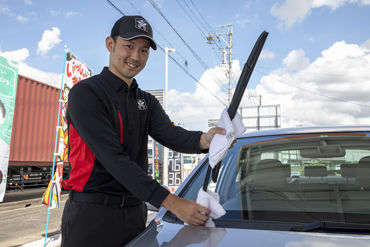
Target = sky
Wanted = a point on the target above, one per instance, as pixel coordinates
(315, 64)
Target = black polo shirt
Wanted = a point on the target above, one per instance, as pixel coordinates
(108, 125)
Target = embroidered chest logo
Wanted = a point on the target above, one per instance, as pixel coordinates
(141, 104)
(141, 25)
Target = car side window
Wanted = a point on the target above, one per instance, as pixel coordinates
(226, 185)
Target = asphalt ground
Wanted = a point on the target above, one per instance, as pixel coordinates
(23, 220)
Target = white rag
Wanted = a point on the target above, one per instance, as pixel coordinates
(221, 143)
(211, 200)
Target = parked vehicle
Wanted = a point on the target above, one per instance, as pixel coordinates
(281, 187)
(33, 134)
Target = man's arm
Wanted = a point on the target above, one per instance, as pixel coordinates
(206, 138)
(178, 138)
(162, 129)
(186, 210)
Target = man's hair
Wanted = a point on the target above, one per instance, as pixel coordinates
(115, 38)
(3, 111)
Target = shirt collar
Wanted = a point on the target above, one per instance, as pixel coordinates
(116, 82)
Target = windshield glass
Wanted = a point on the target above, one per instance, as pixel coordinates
(300, 178)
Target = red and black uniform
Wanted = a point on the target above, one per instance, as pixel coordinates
(109, 125)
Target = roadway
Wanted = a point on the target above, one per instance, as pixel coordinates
(23, 218)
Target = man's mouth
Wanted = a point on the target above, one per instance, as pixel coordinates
(132, 64)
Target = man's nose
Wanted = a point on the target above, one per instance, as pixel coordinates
(135, 54)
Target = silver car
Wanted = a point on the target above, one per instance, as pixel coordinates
(283, 187)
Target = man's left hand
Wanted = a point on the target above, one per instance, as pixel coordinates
(206, 138)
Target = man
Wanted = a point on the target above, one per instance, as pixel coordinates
(109, 120)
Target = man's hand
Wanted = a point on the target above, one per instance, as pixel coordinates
(206, 138)
(186, 210)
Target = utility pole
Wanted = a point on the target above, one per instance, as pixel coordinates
(165, 149)
(229, 45)
(258, 110)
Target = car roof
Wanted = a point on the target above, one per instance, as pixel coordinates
(305, 130)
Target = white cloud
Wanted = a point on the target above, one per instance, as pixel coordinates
(296, 60)
(23, 69)
(21, 18)
(54, 12)
(332, 90)
(29, 2)
(265, 54)
(242, 22)
(332, 4)
(366, 45)
(365, 2)
(72, 13)
(246, 5)
(49, 39)
(4, 9)
(50, 78)
(194, 109)
(17, 55)
(291, 11)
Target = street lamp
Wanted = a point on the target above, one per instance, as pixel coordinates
(165, 149)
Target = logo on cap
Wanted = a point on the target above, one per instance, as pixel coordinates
(141, 24)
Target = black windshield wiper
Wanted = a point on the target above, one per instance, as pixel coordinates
(332, 226)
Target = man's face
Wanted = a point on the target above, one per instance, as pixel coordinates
(127, 57)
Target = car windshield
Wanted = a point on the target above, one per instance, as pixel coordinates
(294, 178)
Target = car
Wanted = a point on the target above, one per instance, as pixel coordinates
(307, 186)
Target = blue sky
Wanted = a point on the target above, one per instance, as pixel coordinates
(34, 32)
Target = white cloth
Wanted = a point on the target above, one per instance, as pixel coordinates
(211, 200)
(221, 143)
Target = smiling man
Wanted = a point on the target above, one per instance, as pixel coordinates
(109, 120)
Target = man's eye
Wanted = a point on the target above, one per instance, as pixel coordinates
(129, 46)
(145, 51)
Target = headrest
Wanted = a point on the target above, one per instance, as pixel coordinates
(271, 172)
(363, 173)
(266, 163)
(348, 170)
(364, 160)
(315, 171)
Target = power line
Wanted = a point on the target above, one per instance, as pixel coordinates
(115, 7)
(206, 23)
(193, 77)
(182, 67)
(200, 14)
(160, 34)
(313, 92)
(156, 7)
(195, 22)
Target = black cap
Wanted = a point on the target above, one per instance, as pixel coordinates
(131, 27)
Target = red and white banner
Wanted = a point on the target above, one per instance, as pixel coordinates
(75, 71)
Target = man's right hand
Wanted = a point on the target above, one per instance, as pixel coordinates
(186, 210)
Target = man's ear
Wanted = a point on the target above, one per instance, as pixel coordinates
(109, 43)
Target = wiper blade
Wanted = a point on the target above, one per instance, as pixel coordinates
(332, 226)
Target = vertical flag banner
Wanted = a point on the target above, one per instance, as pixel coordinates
(75, 71)
(8, 89)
